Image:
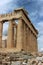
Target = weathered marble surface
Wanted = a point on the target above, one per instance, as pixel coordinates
(26, 34)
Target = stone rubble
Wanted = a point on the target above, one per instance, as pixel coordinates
(21, 58)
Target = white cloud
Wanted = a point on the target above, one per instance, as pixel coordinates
(40, 7)
(41, 49)
(40, 42)
(40, 36)
(39, 2)
(3, 2)
(7, 6)
(40, 27)
(41, 11)
(4, 37)
(34, 13)
(5, 27)
(3, 8)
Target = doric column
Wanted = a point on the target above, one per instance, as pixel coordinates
(15, 36)
(1, 28)
(28, 46)
(25, 36)
(28, 39)
(31, 41)
(20, 34)
(35, 44)
(10, 39)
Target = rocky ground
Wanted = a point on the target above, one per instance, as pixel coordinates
(21, 58)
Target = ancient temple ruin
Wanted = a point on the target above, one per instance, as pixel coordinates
(21, 35)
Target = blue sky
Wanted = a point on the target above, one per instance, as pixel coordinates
(35, 10)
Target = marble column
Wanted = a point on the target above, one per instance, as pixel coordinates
(28, 39)
(31, 41)
(25, 37)
(10, 38)
(36, 45)
(1, 28)
(15, 35)
(20, 34)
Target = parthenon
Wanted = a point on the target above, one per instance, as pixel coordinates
(21, 35)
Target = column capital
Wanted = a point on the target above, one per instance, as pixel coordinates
(1, 22)
(11, 20)
(20, 18)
